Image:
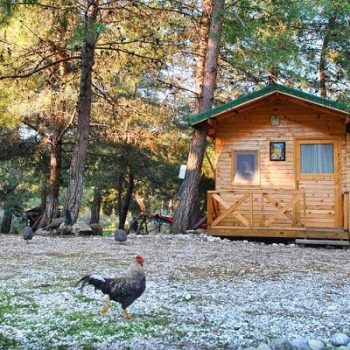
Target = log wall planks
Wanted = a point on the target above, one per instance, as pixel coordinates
(252, 130)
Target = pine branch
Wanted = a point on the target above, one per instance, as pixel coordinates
(131, 53)
(176, 86)
(46, 6)
(38, 69)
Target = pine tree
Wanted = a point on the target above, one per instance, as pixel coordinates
(186, 215)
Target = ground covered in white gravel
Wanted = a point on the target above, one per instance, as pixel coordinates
(201, 294)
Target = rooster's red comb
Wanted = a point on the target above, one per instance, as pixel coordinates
(140, 259)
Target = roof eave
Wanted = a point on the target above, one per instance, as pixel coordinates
(234, 107)
(277, 89)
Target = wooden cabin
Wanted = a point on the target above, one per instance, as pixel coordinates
(282, 166)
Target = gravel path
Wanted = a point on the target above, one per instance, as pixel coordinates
(202, 293)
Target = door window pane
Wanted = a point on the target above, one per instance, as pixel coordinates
(317, 158)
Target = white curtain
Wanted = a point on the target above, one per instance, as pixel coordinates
(317, 158)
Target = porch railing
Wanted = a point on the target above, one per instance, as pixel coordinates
(258, 208)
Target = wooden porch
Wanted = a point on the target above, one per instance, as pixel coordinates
(268, 213)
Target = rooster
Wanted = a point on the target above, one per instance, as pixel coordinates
(123, 290)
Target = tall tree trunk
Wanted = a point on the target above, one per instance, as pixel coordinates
(6, 222)
(273, 75)
(76, 171)
(96, 206)
(186, 214)
(51, 202)
(60, 126)
(202, 51)
(323, 56)
(124, 203)
(43, 192)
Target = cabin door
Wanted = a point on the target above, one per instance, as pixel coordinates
(318, 174)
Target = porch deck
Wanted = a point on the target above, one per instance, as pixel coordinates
(265, 214)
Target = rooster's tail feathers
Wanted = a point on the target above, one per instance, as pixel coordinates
(95, 280)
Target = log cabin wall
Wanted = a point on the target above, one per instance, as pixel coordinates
(346, 168)
(252, 130)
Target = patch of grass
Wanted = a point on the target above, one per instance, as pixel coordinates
(12, 309)
(144, 327)
(82, 297)
(79, 321)
(88, 346)
(7, 343)
(119, 328)
(6, 308)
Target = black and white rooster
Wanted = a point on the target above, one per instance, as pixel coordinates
(123, 290)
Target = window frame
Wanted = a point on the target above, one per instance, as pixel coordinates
(257, 179)
(316, 176)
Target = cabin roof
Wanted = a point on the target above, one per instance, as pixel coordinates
(269, 90)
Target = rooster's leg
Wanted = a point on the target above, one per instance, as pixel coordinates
(127, 315)
(106, 307)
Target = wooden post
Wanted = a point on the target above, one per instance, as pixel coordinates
(251, 208)
(262, 210)
(210, 208)
(346, 211)
(304, 200)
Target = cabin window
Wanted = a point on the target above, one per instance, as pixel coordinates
(317, 158)
(245, 167)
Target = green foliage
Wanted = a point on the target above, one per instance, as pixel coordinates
(325, 32)
(15, 189)
(260, 38)
(6, 8)
(139, 114)
(285, 40)
(82, 34)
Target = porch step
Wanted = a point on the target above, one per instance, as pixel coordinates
(322, 242)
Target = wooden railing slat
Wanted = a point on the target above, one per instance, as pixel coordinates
(284, 207)
(288, 214)
(230, 209)
(282, 210)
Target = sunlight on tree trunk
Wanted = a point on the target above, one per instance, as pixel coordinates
(76, 172)
(323, 56)
(51, 203)
(186, 214)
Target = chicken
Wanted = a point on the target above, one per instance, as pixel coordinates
(28, 232)
(120, 236)
(65, 226)
(123, 290)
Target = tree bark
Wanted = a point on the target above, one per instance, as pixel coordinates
(60, 126)
(76, 171)
(273, 75)
(202, 51)
(96, 206)
(51, 201)
(323, 56)
(186, 214)
(124, 203)
(43, 193)
(6, 222)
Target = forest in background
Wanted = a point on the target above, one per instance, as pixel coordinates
(105, 89)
